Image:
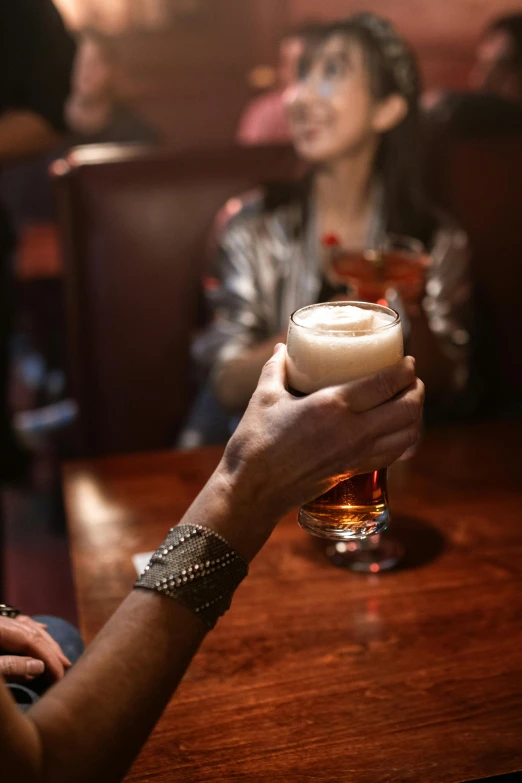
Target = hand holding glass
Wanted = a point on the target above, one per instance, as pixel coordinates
(398, 263)
(330, 344)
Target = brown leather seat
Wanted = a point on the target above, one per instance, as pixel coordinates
(479, 182)
(134, 226)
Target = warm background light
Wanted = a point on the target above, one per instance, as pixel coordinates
(115, 16)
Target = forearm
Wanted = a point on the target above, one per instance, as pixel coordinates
(236, 379)
(94, 722)
(24, 133)
(286, 451)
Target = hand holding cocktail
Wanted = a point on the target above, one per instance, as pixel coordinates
(396, 263)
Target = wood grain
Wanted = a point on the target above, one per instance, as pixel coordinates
(318, 674)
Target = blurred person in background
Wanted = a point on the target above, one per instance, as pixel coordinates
(494, 103)
(354, 118)
(36, 56)
(265, 119)
(94, 113)
(498, 65)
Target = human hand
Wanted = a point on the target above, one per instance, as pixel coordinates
(288, 450)
(34, 651)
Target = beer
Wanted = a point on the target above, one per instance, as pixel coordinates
(330, 344)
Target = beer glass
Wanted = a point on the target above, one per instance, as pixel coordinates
(330, 344)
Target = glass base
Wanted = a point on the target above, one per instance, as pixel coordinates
(369, 556)
(354, 528)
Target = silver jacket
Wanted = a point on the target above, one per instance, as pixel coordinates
(268, 267)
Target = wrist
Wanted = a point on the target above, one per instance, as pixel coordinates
(197, 567)
(231, 505)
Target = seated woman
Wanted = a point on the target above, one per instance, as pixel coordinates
(355, 119)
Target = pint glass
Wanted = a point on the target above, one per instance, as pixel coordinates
(330, 344)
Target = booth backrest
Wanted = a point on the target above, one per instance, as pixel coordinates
(134, 225)
(479, 182)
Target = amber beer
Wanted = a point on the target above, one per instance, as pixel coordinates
(335, 343)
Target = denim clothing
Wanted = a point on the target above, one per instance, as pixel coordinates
(71, 643)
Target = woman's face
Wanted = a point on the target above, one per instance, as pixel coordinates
(331, 109)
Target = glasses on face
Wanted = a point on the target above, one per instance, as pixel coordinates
(324, 72)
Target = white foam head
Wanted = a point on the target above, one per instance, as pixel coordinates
(335, 343)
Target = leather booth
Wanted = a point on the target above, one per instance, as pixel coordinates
(134, 225)
(479, 183)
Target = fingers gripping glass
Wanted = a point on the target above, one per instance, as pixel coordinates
(330, 344)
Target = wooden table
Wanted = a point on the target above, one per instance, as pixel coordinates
(318, 674)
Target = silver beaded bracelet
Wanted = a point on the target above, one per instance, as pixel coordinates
(197, 567)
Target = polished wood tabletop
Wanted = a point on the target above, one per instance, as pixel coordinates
(320, 674)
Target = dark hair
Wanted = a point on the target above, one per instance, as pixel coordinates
(511, 25)
(393, 69)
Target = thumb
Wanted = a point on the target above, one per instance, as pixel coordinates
(273, 375)
(16, 667)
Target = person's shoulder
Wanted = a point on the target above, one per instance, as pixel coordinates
(448, 229)
(254, 213)
(449, 241)
(239, 213)
(264, 120)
